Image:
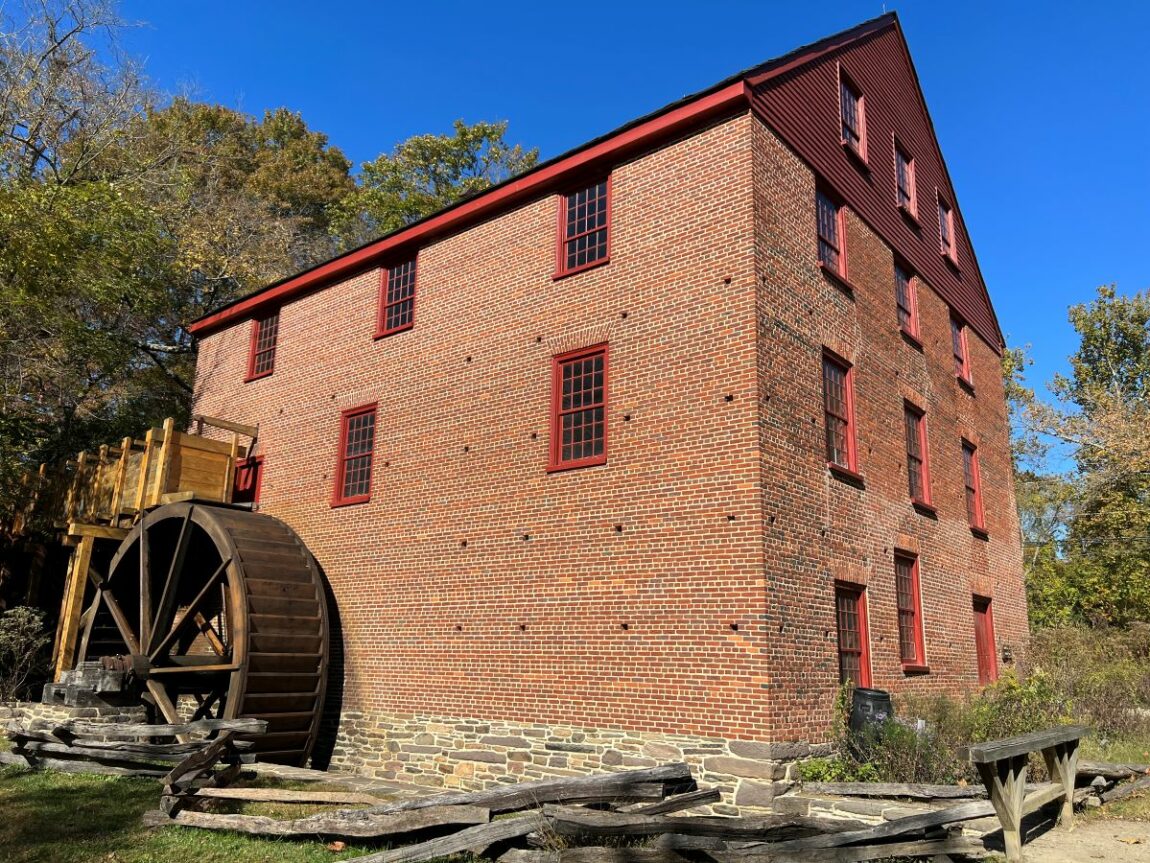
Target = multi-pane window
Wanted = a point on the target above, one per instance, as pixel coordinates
(851, 113)
(946, 230)
(959, 348)
(579, 409)
(984, 641)
(910, 641)
(838, 410)
(357, 442)
(854, 659)
(584, 227)
(830, 232)
(904, 179)
(906, 302)
(972, 479)
(262, 358)
(917, 467)
(396, 298)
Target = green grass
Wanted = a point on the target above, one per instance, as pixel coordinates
(1132, 750)
(73, 818)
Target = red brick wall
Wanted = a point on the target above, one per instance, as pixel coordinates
(714, 531)
(819, 528)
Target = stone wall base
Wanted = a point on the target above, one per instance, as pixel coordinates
(24, 711)
(472, 754)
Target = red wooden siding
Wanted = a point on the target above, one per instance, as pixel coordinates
(802, 106)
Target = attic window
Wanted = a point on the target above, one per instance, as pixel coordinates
(946, 231)
(396, 299)
(584, 228)
(904, 181)
(262, 353)
(852, 116)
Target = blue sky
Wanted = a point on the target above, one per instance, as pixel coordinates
(1042, 109)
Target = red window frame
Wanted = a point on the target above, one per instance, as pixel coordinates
(908, 598)
(587, 417)
(904, 192)
(262, 348)
(396, 308)
(356, 454)
(839, 413)
(247, 480)
(852, 115)
(972, 480)
(853, 633)
(984, 644)
(906, 301)
(961, 350)
(946, 239)
(831, 236)
(584, 228)
(917, 454)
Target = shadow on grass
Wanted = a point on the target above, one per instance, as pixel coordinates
(65, 817)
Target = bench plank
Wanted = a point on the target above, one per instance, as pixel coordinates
(1008, 747)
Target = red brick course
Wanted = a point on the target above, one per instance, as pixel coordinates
(685, 587)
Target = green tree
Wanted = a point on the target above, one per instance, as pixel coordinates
(423, 175)
(1095, 565)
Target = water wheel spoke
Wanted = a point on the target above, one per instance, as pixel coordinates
(190, 612)
(145, 586)
(194, 669)
(121, 620)
(166, 608)
(204, 708)
(213, 637)
(165, 705)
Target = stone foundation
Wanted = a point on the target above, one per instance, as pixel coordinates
(24, 711)
(472, 754)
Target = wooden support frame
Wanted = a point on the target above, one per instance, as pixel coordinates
(63, 656)
(1002, 765)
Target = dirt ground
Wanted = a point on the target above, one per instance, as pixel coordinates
(1091, 839)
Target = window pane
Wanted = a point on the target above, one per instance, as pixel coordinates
(828, 230)
(581, 424)
(907, 609)
(585, 230)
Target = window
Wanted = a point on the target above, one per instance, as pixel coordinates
(830, 234)
(247, 481)
(973, 481)
(854, 653)
(838, 408)
(396, 299)
(959, 348)
(910, 641)
(917, 466)
(851, 114)
(579, 409)
(946, 231)
(262, 355)
(984, 641)
(904, 181)
(906, 302)
(584, 228)
(356, 444)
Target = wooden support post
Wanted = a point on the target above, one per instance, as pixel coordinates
(167, 452)
(1006, 781)
(64, 654)
(117, 501)
(71, 504)
(146, 459)
(1062, 765)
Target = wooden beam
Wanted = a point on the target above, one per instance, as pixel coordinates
(227, 425)
(1023, 744)
(64, 657)
(96, 531)
(284, 795)
(365, 826)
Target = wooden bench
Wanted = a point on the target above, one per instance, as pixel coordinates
(1002, 764)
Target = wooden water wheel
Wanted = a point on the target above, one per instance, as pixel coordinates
(217, 613)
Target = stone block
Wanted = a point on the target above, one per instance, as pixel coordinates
(757, 794)
(509, 742)
(481, 755)
(741, 767)
(612, 758)
(791, 805)
(658, 749)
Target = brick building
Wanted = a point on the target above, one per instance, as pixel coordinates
(639, 454)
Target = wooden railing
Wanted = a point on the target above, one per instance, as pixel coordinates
(114, 484)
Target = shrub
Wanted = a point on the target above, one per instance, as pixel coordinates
(23, 652)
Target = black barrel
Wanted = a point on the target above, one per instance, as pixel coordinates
(870, 708)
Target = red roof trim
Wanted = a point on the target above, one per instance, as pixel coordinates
(728, 99)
